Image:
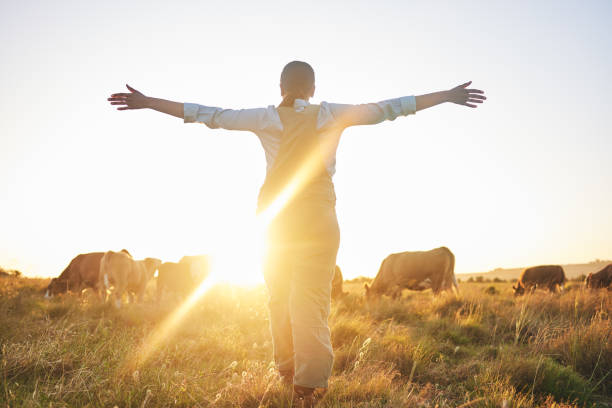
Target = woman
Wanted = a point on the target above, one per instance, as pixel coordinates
(300, 142)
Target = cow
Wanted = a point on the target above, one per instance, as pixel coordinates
(418, 270)
(82, 272)
(601, 279)
(199, 267)
(174, 277)
(546, 276)
(336, 291)
(125, 274)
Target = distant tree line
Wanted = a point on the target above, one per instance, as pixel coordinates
(482, 279)
(9, 272)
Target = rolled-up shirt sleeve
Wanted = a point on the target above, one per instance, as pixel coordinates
(372, 113)
(230, 119)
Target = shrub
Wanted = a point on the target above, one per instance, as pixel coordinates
(542, 375)
(587, 348)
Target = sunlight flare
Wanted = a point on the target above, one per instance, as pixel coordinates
(159, 334)
(297, 182)
(238, 256)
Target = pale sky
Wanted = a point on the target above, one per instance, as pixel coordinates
(525, 179)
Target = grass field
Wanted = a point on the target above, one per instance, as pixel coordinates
(481, 349)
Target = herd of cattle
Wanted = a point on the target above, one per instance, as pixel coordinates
(118, 273)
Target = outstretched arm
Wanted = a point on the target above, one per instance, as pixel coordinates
(137, 100)
(213, 117)
(459, 95)
(372, 113)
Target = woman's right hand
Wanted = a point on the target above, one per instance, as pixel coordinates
(133, 100)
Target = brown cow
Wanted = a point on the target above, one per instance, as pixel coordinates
(126, 275)
(419, 270)
(547, 276)
(82, 272)
(174, 277)
(336, 291)
(199, 267)
(601, 279)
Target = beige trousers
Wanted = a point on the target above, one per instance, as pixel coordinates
(299, 267)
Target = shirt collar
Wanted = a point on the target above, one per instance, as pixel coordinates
(300, 104)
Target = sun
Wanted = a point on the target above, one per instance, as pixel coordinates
(237, 256)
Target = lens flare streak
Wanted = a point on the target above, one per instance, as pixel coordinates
(223, 258)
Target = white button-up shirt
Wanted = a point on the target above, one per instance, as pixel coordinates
(332, 120)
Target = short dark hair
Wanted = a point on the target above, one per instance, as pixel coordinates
(297, 78)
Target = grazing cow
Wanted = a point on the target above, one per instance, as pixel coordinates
(199, 267)
(419, 270)
(601, 279)
(126, 275)
(544, 276)
(336, 291)
(174, 277)
(82, 272)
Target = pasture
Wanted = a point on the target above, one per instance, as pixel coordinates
(483, 348)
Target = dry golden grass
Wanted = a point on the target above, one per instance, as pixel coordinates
(483, 348)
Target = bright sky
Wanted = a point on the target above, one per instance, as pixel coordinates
(525, 179)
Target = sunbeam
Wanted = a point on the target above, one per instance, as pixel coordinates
(160, 333)
(238, 256)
